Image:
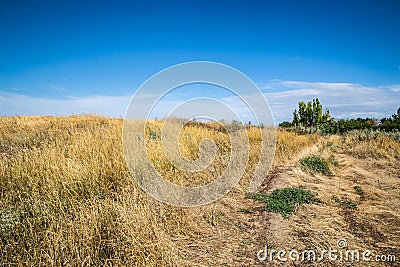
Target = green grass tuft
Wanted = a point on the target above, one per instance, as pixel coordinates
(316, 164)
(359, 191)
(349, 204)
(285, 200)
(345, 203)
(336, 199)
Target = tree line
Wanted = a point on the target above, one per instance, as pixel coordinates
(310, 117)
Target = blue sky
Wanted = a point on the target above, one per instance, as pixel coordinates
(64, 57)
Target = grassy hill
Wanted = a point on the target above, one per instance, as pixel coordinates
(67, 197)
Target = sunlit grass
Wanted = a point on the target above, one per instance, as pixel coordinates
(67, 197)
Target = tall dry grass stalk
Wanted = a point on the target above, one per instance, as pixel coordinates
(71, 200)
(67, 197)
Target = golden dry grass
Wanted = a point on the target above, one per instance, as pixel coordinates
(67, 198)
(374, 166)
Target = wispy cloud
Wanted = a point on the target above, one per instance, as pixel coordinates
(345, 100)
(395, 88)
(56, 88)
(19, 104)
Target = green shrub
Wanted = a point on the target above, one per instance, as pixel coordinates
(345, 203)
(349, 204)
(333, 161)
(285, 200)
(359, 191)
(285, 124)
(336, 199)
(316, 164)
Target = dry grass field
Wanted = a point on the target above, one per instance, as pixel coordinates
(67, 198)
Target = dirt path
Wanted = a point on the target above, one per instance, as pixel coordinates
(374, 225)
(262, 228)
(245, 228)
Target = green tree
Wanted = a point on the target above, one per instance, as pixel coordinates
(326, 116)
(396, 116)
(296, 119)
(317, 112)
(285, 124)
(391, 124)
(309, 112)
(302, 113)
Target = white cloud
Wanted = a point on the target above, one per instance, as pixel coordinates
(345, 100)
(18, 104)
(56, 88)
(394, 88)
